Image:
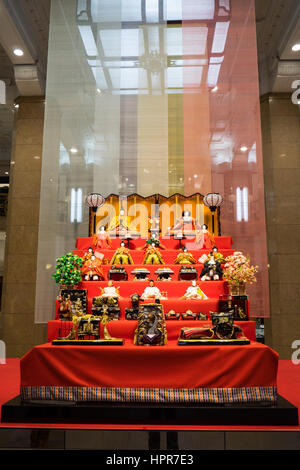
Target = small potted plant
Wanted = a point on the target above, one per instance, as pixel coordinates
(68, 271)
(238, 272)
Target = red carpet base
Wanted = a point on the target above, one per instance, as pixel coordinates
(288, 387)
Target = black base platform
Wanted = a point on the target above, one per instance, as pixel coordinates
(260, 414)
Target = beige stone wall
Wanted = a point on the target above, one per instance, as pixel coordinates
(281, 155)
(17, 327)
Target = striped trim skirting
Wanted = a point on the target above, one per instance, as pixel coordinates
(154, 395)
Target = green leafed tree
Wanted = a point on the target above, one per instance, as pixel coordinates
(68, 272)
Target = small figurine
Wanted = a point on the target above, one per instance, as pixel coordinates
(91, 270)
(185, 225)
(110, 291)
(153, 255)
(194, 292)
(154, 227)
(87, 255)
(185, 257)
(122, 255)
(151, 292)
(102, 239)
(151, 241)
(217, 255)
(212, 270)
(204, 240)
(65, 307)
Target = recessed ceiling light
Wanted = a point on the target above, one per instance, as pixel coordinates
(18, 52)
(98, 90)
(73, 150)
(296, 47)
(244, 149)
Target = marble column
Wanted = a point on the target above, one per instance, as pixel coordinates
(17, 326)
(281, 157)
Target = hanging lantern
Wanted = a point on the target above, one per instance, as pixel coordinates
(94, 201)
(213, 201)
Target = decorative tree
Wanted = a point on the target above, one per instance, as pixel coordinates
(68, 272)
(237, 269)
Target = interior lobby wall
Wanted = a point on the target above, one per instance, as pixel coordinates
(281, 140)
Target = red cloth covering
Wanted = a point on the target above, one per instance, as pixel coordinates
(169, 366)
(125, 328)
(83, 243)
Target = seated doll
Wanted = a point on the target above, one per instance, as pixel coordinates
(212, 270)
(87, 255)
(218, 256)
(153, 255)
(151, 292)
(122, 255)
(204, 239)
(194, 292)
(110, 291)
(185, 225)
(102, 239)
(185, 257)
(91, 269)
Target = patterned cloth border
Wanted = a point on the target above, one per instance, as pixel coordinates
(154, 395)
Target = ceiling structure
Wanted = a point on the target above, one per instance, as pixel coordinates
(278, 29)
(150, 47)
(25, 24)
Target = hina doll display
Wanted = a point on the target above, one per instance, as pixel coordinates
(204, 239)
(102, 240)
(185, 257)
(194, 292)
(212, 270)
(91, 269)
(122, 255)
(153, 255)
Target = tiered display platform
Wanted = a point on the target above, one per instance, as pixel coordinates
(155, 384)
